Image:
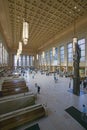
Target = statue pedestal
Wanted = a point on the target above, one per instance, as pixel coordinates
(76, 86)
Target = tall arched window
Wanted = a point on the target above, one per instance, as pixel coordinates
(81, 43)
(62, 54)
(70, 52)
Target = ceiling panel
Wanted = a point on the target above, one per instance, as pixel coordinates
(46, 18)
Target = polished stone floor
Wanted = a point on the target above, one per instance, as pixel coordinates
(55, 98)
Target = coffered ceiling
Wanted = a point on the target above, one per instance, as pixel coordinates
(46, 18)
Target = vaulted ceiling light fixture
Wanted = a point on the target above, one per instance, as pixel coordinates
(53, 50)
(20, 46)
(75, 37)
(37, 56)
(25, 29)
(43, 54)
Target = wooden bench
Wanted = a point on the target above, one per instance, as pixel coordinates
(13, 83)
(16, 103)
(12, 90)
(19, 117)
(11, 79)
(16, 96)
(14, 86)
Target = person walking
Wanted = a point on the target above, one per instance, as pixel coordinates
(84, 113)
(38, 89)
(70, 82)
(55, 79)
(84, 83)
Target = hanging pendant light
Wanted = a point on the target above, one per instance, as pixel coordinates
(43, 54)
(20, 46)
(33, 58)
(37, 56)
(74, 44)
(53, 51)
(74, 38)
(19, 52)
(25, 28)
(25, 32)
(17, 57)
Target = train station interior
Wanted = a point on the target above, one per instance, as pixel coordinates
(43, 64)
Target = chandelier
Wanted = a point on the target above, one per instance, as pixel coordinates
(20, 46)
(37, 56)
(25, 32)
(74, 38)
(53, 51)
(43, 54)
(25, 29)
(19, 51)
(18, 54)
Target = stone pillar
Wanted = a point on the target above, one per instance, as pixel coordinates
(76, 61)
(76, 79)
